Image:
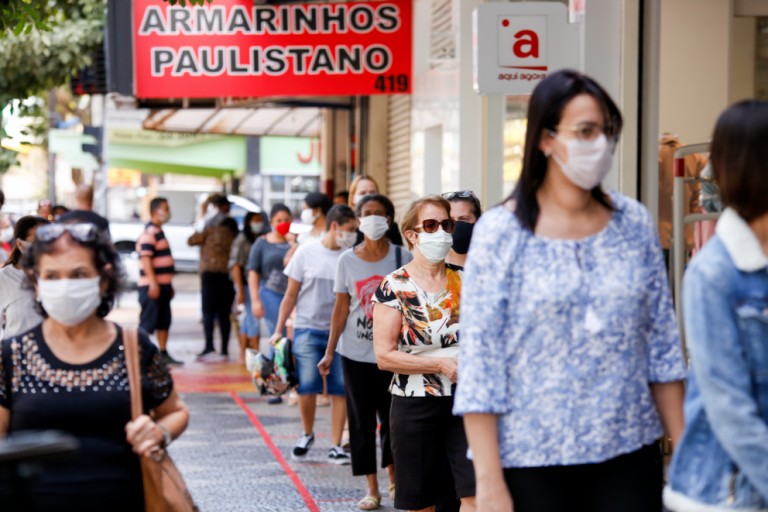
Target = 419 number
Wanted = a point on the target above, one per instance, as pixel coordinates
(391, 83)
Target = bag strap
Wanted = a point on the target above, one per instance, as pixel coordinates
(131, 345)
(398, 256)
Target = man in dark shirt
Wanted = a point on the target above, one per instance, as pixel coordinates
(156, 277)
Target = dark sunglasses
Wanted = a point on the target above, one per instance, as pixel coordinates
(80, 232)
(431, 225)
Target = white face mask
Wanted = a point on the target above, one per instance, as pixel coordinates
(6, 234)
(69, 301)
(307, 217)
(345, 239)
(374, 226)
(435, 246)
(257, 227)
(588, 162)
(358, 198)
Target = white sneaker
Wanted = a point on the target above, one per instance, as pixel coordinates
(302, 446)
(337, 455)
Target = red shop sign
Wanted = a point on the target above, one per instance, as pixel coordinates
(233, 48)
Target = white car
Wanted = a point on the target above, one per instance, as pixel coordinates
(125, 233)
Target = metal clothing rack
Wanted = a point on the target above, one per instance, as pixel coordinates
(680, 218)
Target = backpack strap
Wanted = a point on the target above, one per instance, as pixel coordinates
(398, 256)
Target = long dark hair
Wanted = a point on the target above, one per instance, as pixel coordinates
(20, 232)
(247, 231)
(544, 112)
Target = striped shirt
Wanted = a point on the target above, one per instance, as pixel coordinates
(153, 243)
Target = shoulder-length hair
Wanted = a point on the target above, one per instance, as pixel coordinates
(411, 218)
(544, 113)
(739, 156)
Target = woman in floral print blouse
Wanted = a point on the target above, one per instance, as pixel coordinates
(570, 354)
(416, 336)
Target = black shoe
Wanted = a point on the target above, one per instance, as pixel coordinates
(169, 360)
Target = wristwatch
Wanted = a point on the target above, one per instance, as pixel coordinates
(167, 438)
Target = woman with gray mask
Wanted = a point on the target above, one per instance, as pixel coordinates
(358, 273)
(364, 185)
(17, 299)
(68, 374)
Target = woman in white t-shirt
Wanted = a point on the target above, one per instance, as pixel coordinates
(358, 274)
(17, 299)
(311, 275)
(416, 336)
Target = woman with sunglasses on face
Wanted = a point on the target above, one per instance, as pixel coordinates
(465, 211)
(416, 336)
(358, 273)
(17, 300)
(570, 358)
(68, 374)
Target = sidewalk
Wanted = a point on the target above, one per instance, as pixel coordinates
(235, 454)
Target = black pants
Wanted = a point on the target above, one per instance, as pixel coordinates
(426, 434)
(368, 395)
(628, 483)
(218, 293)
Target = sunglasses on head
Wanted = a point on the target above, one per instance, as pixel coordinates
(431, 225)
(461, 194)
(81, 232)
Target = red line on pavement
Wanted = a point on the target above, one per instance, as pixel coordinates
(303, 491)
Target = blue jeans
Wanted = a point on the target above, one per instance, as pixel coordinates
(308, 349)
(271, 302)
(250, 324)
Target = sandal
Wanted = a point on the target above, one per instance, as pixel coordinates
(369, 503)
(392, 490)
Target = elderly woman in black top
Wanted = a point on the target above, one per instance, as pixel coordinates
(69, 374)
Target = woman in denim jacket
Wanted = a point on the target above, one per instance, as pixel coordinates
(721, 463)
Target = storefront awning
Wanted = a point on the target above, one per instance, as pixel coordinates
(178, 153)
(288, 122)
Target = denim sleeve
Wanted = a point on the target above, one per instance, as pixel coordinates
(665, 355)
(723, 376)
(483, 380)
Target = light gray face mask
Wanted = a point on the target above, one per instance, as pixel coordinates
(588, 161)
(374, 226)
(69, 301)
(435, 246)
(345, 240)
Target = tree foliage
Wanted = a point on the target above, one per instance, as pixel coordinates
(43, 43)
